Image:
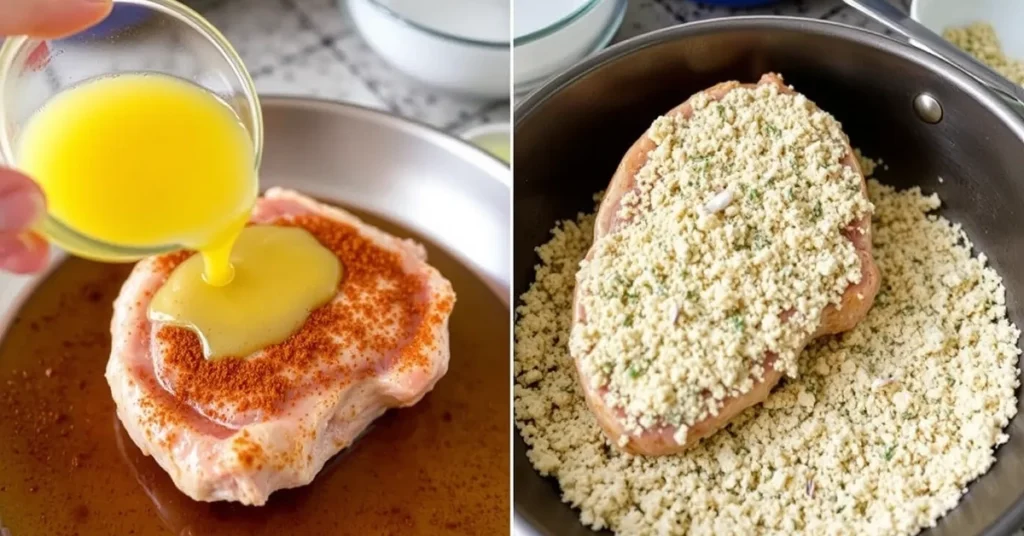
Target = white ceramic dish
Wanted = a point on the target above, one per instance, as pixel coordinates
(1006, 16)
(542, 50)
(436, 46)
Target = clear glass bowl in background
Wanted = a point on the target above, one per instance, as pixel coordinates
(551, 49)
(1006, 17)
(475, 67)
(140, 36)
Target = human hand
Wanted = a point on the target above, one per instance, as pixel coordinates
(50, 19)
(21, 201)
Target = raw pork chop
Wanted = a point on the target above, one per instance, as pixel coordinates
(855, 302)
(239, 429)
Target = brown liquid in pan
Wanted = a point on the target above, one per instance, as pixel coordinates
(66, 466)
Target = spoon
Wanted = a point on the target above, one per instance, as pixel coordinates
(900, 22)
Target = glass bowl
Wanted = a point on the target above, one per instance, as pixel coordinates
(463, 53)
(545, 49)
(160, 37)
(1006, 17)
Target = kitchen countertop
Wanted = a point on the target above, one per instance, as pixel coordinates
(311, 48)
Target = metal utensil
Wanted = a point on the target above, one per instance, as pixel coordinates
(892, 17)
(593, 112)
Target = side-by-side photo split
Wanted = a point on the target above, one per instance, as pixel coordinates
(511, 267)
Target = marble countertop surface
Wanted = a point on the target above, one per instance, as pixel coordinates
(311, 48)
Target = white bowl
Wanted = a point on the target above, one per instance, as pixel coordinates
(473, 66)
(1006, 16)
(551, 48)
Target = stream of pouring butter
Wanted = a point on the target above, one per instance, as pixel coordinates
(149, 160)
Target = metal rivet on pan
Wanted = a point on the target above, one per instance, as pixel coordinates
(927, 108)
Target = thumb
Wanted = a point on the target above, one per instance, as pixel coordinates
(49, 19)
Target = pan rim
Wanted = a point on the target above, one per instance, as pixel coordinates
(500, 172)
(489, 164)
(775, 22)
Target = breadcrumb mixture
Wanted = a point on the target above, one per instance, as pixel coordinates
(880, 434)
(733, 249)
(980, 40)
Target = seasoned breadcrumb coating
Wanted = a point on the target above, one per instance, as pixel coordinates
(733, 250)
(880, 434)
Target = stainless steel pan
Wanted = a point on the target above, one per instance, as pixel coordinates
(402, 176)
(571, 133)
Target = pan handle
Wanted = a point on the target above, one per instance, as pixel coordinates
(891, 16)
